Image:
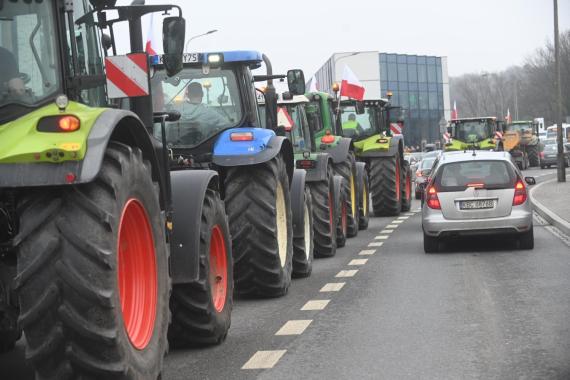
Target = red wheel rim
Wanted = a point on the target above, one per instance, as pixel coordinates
(398, 195)
(218, 268)
(330, 213)
(344, 219)
(137, 275)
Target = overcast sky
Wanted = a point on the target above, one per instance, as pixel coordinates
(475, 35)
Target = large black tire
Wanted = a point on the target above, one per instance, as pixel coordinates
(363, 200)
(324, 223)
(342, 214)
(385, 185)
(197, 319)
(533, 155)
(526, 239)
(407, 187)
(303, 246)
(347, 170)
(431, 244)
(69, 260)
(258, 203)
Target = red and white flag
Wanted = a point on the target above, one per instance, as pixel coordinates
(151, 45)
(508, 118)
(313, 87)
(454, 113)
(350, 86)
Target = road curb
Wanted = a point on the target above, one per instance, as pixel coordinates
(550, 216)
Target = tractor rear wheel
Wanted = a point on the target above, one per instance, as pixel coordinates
(324, 223)
(93, 275)
(385, 185)
(533, 155)
(407, 187)
(342, 216)
(201, 310)
(364, 202)
(258, 203)
(347, 170)
(303, 245)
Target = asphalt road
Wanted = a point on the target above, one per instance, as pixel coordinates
(481, 309)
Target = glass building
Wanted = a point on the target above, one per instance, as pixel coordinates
(419, 85)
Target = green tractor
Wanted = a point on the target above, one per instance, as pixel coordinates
(471, 133)
(367, 124)
(330, 207)
(342, 151)
(88, 207)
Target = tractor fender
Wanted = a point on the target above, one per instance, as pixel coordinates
(339, 152)
(264, 146)
(319, 173)
(298, 201)
(188, 193)
(396, 147)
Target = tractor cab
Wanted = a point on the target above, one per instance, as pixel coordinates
(468, 133)
(361, 120)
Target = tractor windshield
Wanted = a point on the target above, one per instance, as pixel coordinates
(28, 54)
(473, 130)
(293, 118)
(208, 104)
(520, 127)
(357, 126)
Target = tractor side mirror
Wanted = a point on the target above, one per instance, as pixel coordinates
(296, 81)
(359, 108)
(173, 34)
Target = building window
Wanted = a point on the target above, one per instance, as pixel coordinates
(413, 101)
(433, 100)
(392, 58)
(422, 75)
(432, 77)
(412, 73)
(423, 100)
(430, 60)
(392, 71)
(402, 72)
(402, 59)
(393, 86)
(403, 86)
(412, 59)
(383, 72)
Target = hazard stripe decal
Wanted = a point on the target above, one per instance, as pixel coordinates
(127, 75)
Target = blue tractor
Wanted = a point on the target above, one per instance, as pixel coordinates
(218, 126)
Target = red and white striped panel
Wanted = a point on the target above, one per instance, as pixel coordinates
(498, 135)
(396, 128)
(127, 75)
(446, 137)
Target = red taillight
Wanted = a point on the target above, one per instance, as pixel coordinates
(432, 200)
(477, 185)
(541, 154)
(241, 136)
(68, 123)
(306, 164)
(520, 193)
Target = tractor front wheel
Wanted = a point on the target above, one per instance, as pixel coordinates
(93, 274)
(347, 170)
(303, 245)
(407, 187)
(324, 222)
(385, 185)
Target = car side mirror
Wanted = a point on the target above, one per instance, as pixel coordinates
(173, 35)
(530, 180)
(296, 82)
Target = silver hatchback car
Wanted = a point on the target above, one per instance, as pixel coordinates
(476, 193)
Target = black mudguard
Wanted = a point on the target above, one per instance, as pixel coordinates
(188, 192)
(319, 173)
(339, 152)
(298, 202)
(276, 145)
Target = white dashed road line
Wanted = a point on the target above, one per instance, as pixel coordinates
(332, 287)
(403, 217)
(315, 305)
(376, 244)
(347, 273)
(355, 262)
(264, 359)
(366, 252)
(409, 214)
(386, 231)
(294, 327)
(381, 237)
(392, 226)
(397, 221)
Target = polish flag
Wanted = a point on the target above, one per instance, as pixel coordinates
(151, 45)
(350, 86)
(454, 113)
(508, 118)
(313, 87)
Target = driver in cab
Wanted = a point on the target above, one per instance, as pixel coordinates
(195, 112)
(9, 75)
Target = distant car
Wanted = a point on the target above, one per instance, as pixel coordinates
(422, 173)
(549, 156)
(476, 193)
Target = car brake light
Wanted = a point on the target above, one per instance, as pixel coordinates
(477, 185)
(520, 193)
(241, 136)
(432, 200)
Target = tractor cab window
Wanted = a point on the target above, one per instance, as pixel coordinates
(354, 125)
(313, 112)
(29, 72)
(299, 133)
(208, 104)
(522, 127)
(472, 130)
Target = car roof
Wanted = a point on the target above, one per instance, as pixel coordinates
(477, 155)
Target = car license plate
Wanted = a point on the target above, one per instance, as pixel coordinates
(476, 205)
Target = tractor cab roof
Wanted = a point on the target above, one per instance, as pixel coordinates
(296, 99)
(493, 118)
(251, 58)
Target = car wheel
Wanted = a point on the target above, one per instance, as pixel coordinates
(526, 239)
(431, 244)
(542, 166)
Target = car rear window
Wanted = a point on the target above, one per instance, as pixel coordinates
(551, 148)
(489, 174)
